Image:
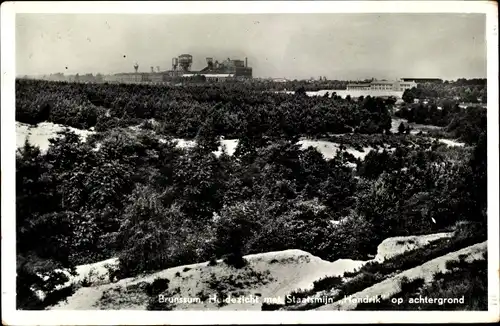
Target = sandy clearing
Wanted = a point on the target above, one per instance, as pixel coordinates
(182, 143)
(391, 286)
(329, 149)
(230, 146)
(451, 143)
(326, 148)
(40, 135)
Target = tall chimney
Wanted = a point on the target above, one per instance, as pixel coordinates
(246, 62)
(152, 69)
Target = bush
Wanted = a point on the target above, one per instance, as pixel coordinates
(359, 282)
(327, 283)
(235, 260)
(158, 286)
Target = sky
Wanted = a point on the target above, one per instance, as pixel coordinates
(294, 46)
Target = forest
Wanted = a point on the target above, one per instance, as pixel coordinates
(229, 110)
(132, 193)
(438, 105)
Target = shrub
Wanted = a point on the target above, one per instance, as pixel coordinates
(327, 283)
(359, 282)
(411, 286)
(212, 262)
(154, 237)
(235, 260)
(158, 286)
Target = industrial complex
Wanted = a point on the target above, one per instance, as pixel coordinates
(181, 68)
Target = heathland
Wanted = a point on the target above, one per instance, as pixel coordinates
(225, 189)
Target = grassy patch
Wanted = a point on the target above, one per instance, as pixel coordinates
(410, 259)
(93, 278)
(463, 287)
(56, 296)
(223, 286)
(121, 298)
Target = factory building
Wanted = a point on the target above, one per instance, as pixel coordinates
(181, 67)
(227, 69)
(383, 85)
(423, 80)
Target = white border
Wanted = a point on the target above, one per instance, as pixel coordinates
(10, 316)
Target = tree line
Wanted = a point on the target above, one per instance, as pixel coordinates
(462, 90)
(232, 110)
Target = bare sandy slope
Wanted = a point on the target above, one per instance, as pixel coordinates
(267, 275)
(394, 246)
(271, 275)
(391, 286)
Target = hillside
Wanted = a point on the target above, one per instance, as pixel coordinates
(267, 277)
(427, 271)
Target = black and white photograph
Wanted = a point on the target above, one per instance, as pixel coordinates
(205, 160)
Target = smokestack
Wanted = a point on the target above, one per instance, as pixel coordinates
(152, 69)
(210, 63)
(246, 62)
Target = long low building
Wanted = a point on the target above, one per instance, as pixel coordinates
(423, 80)
(211, 77)
(138, 77)
(383, 85)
